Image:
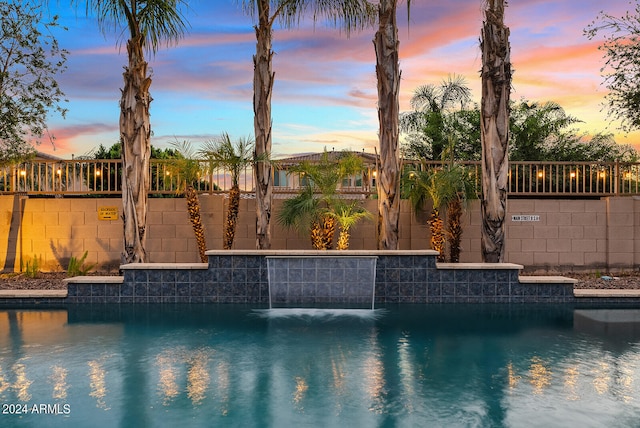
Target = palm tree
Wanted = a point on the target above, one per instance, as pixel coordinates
(149, 23)
(234, 158)
(347, 14)
(185, 168)
(347, 216)
(494, 131)
(431, 105)
(388, 75)
(314, 207)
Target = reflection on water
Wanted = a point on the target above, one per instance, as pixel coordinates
(59, 379)
(97, 383)
(22, 383)
(418, 366)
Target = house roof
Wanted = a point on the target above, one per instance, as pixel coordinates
(368, 158)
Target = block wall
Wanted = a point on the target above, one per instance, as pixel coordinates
(547, 235)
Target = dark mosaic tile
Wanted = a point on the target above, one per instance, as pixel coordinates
(183, 276)
(225, 262)
(476, 289)
(197, 299)
(352, 276)
(489, 276)
(254, 262)
(239, 276)
(253, 275)
(155, 289)
(406, 289)
(337, 289)
(337, 275)
(155, 299)
(448, 289)
(140, 276)
(461, 276)
(434, 276)
(140, 299)
(447, 275)
(420, 290)
(154, 275)
(293, 275)
(209, 289)
(434, 289)
(406, 275)
(214, 262)
(420, 262)
(168, 289)
(310, 263)
(323, 275)
(168, 276)
(182, 289)
(83, 290)
(490, 289)
(112, 290)
(183, 299)
(112, 299)
(197, 276)
(287, 263)
(126, 299)
(128, 276)
(309, 275)
(126, 289)
(140, 290)
(211, 299)
(462, 289)
(196, 289)
(224, 275)
(392, 262)
(238, 262)
(392, 289)
(503, 289)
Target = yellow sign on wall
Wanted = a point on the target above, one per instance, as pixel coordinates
(107, 213)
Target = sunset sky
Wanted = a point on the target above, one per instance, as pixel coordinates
(325, 90)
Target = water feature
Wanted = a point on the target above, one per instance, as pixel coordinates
(230, 365)
(314, 281)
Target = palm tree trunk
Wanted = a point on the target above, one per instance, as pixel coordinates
(437, 233)
(193, 208)
(388, 73)
(494, 130)
(317, 236)
(135, 134)
(328, 225)
(454, 217)
(343, 239)
(232, 217)
(263, 77)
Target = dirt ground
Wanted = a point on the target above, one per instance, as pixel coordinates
(54, 280)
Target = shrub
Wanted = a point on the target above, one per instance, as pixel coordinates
(78, 267)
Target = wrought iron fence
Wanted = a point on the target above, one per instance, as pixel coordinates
(104, 177)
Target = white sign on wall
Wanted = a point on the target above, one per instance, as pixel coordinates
(525, 217)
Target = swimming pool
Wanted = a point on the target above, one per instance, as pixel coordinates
(231, 365)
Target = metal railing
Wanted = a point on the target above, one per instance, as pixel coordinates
(104, 177)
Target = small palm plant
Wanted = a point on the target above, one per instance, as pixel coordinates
(233, 157)
(314, 206)
(347, 216)
(431, 184)
(188, 170)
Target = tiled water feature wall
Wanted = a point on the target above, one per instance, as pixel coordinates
(237, 276)
(312, 281)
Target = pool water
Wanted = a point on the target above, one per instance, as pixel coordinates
(399, 366)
